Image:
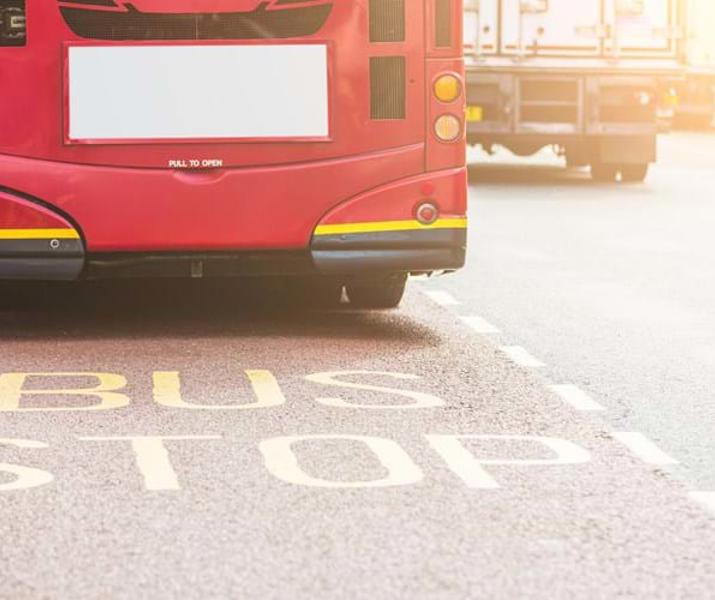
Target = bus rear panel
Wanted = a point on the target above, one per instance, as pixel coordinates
(243, 136)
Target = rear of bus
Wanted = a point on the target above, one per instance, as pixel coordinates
(316, 139)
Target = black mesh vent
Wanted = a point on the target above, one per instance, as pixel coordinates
(443, 23)
(387, 87)
(13, 27)
(129, 23)
(387, 20)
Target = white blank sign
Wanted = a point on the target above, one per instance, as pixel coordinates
(198, 92)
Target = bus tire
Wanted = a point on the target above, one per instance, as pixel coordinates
(634, 173)
(604, 173)
(377, 294)
(315, 292)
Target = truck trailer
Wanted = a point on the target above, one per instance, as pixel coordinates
(695, 107)
(583, 76)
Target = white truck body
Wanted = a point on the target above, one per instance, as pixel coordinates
(642, 29)
(696, 93)
(583, 75)
(701, 33)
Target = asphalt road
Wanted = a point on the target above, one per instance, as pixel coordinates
(612, 287)
(227, 444)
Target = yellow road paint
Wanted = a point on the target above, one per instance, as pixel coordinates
(282, 462)
(12, 390)
(471, 469)
(25, 477)
(281, 458)
(386, 226)
(167, 392)
(419, 399)
(38, 234)
(152, 458)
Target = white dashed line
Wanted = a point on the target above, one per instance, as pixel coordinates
(576, 397)
(706, 499)
(441, 298)
(521, 357)
(479, 325)
(643, 448)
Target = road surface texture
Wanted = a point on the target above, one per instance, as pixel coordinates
(537, 426)
(612, 287)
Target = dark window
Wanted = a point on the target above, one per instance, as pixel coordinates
(387, 20)
(387, 87)
(13, 25)
(443, 23)
(87, 21)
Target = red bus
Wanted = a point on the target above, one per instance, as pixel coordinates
(316, 139)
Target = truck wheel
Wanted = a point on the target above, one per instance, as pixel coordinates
(575, 162)
(577, 155)
(634, 173)
(603, 172)
(378, 293)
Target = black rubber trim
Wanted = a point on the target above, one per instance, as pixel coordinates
(91, 2)
(41, 249)
(209, 264)
(263, 263)
(133, 24)
(349, 262)
(40, 269)
(390, 251)
(36, 259)
(392, 240)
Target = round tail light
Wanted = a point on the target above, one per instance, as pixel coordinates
(448, 128)
(427, 213)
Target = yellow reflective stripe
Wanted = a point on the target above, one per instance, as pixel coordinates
(38, 234)
(378, 226)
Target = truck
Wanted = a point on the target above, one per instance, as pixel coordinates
(695, 93)
(584, 77)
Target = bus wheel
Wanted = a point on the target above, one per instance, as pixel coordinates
(377, 293)
(603, 173)
(634, 173)
(317, 292)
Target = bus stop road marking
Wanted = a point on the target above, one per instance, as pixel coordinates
(521, 357)
(442, 298)
(479, 325)
(644, 448)
(706, 499)
(576, 397)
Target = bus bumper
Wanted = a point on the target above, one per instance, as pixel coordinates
(21, 265)
(36, 243)
(374, 232)
(411, 251)
(379, 230)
